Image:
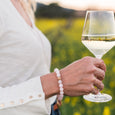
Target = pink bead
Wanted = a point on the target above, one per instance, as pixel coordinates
(61, 92)
(60, 85)
(58, 75)
(61, 89)
(60, 97)
(56, 70)
(60, 81)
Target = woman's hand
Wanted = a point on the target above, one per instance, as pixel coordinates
(81, 77)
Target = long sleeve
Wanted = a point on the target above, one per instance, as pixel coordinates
(24, 93)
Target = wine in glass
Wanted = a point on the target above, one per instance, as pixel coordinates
(99, 37)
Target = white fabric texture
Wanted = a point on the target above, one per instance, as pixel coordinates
(25, 55)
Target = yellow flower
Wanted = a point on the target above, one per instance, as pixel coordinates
(106, 111)
(67, 100)
(76, 113)
(113, 69)
(73, 101)
(112, 84)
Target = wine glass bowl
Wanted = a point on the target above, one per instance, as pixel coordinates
(99, 23)
(99, 37)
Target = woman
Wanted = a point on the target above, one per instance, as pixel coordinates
(26, 85)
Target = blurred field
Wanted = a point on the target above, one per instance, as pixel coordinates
(65, 38)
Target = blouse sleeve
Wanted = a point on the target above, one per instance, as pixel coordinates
(23, 93)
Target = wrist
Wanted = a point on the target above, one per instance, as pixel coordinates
(50, 85)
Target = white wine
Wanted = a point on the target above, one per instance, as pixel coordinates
(99, 45)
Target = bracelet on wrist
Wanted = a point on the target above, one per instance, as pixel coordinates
(61, 94)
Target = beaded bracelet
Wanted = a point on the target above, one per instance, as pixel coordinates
(61, 95)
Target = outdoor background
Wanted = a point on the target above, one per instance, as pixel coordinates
(63, 27)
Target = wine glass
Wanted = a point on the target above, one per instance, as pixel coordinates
(99, 37)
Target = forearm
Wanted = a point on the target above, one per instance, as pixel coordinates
(50, 85)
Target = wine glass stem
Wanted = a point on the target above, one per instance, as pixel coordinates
(99, 57)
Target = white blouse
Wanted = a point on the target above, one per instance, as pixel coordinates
(25, 55)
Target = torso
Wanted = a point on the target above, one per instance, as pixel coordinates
(24, 51)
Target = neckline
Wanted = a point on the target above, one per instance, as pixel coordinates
(31, 27)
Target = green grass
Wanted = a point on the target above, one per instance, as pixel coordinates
(65, 37)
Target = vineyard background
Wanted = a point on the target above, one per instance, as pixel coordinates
(65, 37)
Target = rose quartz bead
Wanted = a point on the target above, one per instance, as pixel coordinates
(60, 82)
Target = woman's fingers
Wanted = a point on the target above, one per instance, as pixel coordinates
(95, 91)
(99, 74)
(90, 82)
(85, 87)
(98, 84)
(93, 81)
(99, 64)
